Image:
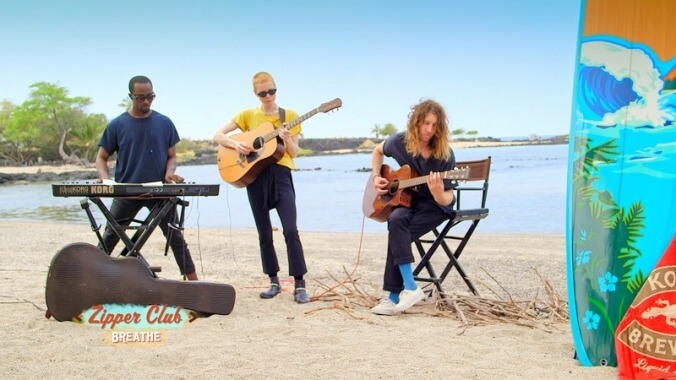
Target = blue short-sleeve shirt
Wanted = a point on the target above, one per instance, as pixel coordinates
(142, 146)
(395, 147)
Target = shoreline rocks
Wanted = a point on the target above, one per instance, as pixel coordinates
(13, 178)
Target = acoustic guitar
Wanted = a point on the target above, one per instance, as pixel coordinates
(240, 170)
(399, 193)
(81, 276)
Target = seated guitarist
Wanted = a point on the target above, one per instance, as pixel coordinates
(424, 147)
(273, 188)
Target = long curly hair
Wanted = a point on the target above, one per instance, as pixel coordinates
(439, 143)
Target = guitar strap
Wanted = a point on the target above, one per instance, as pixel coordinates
(282, 114)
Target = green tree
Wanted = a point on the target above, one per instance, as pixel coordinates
(86, 138)
(458, 132)
(472, 133)
(125, 103)
(47, 118)
(388, 129)
(376, 130)
(6, 109)
(9, 149)
(19, 133)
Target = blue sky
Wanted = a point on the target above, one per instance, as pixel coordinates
(502, 68)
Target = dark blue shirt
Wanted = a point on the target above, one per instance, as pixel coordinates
(142, 146)
(395, 147)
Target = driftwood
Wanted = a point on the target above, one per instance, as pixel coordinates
(349, 296)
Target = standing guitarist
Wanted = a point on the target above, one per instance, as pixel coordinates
(273, 188)
(424, 147)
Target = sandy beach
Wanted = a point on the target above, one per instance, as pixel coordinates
(280, 339)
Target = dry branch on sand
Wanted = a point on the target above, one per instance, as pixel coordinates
(349, 296)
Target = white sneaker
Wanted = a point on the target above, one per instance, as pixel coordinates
(408, 298)
(385, 307)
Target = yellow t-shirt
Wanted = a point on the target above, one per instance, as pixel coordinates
(250, 118)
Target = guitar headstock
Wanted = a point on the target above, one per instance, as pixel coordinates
(457, 173)
(328, 106)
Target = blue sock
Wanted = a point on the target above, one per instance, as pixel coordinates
(407, 273)
(394, 297)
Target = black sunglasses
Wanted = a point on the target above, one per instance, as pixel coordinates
(271, 91)
(140, 98)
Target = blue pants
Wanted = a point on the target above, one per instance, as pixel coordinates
(124, 210)
(274, 189)
(404, 226)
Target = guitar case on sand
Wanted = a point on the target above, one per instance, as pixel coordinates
(81, 276)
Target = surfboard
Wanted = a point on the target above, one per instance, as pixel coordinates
(621, 196)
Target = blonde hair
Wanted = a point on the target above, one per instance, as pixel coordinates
(261, 77)
(439, 143)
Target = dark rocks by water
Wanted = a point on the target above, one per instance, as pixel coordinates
(80, 175)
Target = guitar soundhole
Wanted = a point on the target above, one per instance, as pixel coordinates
(393, 187)
(251, 157)
(248, 158)
(258, 143)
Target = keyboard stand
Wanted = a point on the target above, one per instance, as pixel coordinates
(133, 245)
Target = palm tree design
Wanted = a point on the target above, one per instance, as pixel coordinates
(605, 249)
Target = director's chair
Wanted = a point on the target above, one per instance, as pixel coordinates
(453, 234)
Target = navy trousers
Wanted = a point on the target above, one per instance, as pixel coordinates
(273, 188)
(404, 226)
(124, 210)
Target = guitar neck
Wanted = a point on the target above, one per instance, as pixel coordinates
(449, 174)
(291, 124)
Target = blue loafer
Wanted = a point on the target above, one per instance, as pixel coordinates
(300, 295)
(272, 291)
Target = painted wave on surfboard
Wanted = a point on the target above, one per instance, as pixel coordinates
(623, 173)
(608, 92)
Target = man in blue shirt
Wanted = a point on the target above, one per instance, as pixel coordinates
(145, 142)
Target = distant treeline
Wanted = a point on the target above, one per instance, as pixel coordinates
(337, 143)
(197, 152)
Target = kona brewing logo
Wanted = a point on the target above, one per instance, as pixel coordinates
(135, 324)
(651, 334)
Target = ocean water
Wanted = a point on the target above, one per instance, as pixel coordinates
(527, 188)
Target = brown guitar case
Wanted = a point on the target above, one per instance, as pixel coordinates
(81, 276)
